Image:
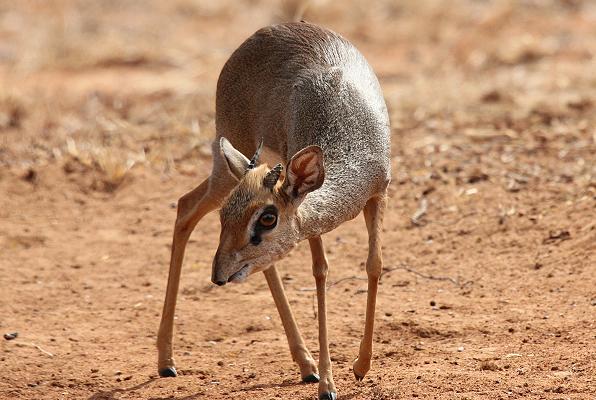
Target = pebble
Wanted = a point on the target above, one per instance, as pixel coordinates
(460, 348)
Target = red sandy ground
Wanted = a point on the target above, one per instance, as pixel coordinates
(491, 294)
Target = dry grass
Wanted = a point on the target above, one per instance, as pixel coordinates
(99, 82)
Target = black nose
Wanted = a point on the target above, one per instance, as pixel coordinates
(220, 283)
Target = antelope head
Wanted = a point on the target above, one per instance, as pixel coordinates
(259, 219)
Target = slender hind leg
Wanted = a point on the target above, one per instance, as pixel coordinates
(319, 267)
(373, 215)
(191, 208)
(300, 354)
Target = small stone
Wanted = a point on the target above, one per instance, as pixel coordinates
(118, 373)
(11, 336)
(460, 348)
(94, 370)
(433, 303)
(220, 363)
(30, 176)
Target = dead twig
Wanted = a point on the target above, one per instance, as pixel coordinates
(359, 278)
(392, 269)
(425, 276)
(23, 344)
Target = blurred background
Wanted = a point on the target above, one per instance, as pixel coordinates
(106, 118)
(117, 83)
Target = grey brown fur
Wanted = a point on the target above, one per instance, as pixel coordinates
(309, 87)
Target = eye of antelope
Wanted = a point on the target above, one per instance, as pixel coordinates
(266, 222)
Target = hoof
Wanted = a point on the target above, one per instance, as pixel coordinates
(312, 378)
(328, 396)
(169, 372)
(358, 377)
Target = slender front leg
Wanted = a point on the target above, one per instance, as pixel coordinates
(300, 354)
(319, 269)
(191, 208)
(373, 215)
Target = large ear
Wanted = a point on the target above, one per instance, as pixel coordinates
(305, 172)
(237, 162)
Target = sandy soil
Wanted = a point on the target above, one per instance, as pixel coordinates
(106, 114)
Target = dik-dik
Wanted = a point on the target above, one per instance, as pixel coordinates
(306, 101)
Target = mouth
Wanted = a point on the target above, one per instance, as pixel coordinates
(241, 275)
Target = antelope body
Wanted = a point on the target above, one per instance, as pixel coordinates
(312, 101)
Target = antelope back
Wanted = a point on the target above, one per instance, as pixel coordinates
(264, 84)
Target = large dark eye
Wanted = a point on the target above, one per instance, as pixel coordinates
(267, 220)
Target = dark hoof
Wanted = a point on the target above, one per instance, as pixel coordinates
(312, 378)
(328, 396)
(358, 377)
(169, 372)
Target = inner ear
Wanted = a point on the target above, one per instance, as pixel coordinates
(305, 172)
(236, 161)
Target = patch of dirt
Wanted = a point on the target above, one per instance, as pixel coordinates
(488, 290)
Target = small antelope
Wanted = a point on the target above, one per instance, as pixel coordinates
(306, 99)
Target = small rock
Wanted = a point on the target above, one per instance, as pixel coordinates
(11, 336)
(30, 176)
(489, 366)
(220, 363)
(460, 348)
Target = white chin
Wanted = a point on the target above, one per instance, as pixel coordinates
(241, 275)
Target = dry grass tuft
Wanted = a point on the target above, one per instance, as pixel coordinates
(12, 113)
